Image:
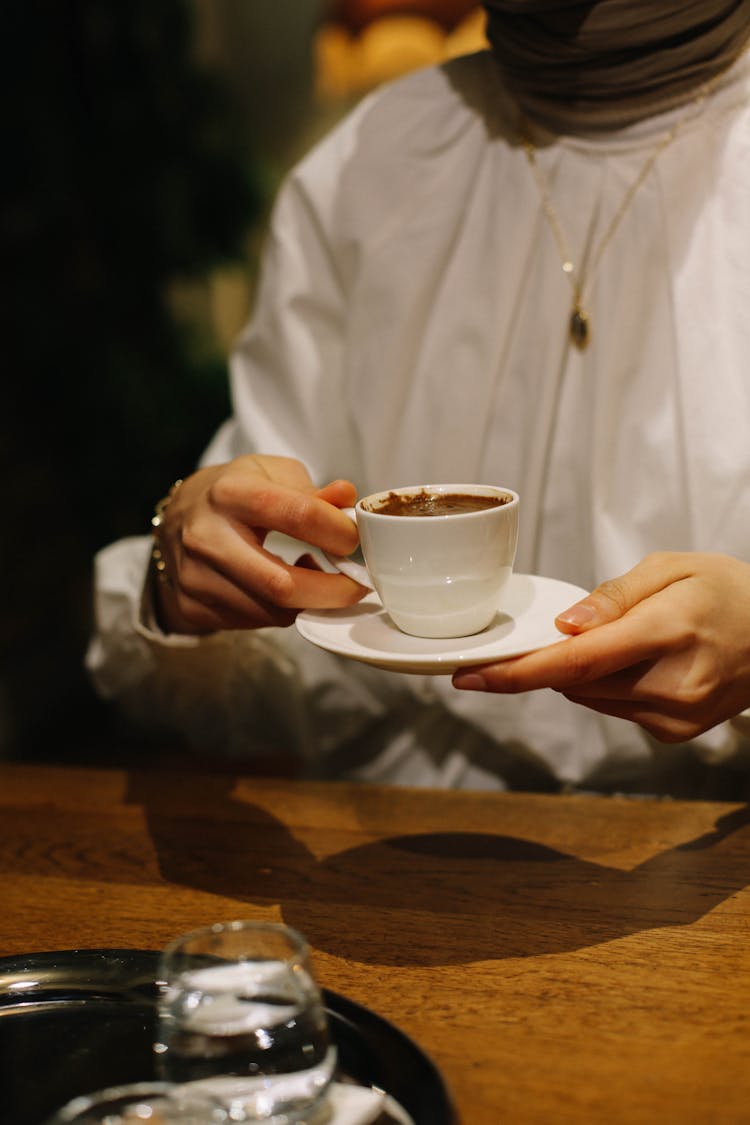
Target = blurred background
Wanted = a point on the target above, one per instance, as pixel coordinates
(146, 143)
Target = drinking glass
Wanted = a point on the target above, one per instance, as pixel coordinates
(153, 1103)
(241, 1016)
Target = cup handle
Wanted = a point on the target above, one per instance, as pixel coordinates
(356, 571)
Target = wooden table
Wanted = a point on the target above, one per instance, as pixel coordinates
(561, 959)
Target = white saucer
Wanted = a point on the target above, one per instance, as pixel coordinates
(365, 631)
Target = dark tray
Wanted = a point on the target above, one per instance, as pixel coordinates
(78, 1020)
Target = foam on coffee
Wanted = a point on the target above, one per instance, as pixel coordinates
(426, 503)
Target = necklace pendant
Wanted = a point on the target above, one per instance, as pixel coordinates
(579, 328)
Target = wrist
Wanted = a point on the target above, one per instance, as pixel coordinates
(158, 561)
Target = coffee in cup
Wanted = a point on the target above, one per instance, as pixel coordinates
(428, 502)
(438, 555)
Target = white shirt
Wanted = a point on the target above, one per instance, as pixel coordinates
(412, 325)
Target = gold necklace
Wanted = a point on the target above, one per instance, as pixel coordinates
(579, 326)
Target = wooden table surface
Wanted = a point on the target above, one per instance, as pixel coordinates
(561, 959)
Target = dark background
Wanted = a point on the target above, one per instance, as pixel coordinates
(144, 143)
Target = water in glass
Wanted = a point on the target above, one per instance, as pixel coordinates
(251, 1029)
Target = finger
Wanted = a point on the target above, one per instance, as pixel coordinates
(340, 493)
(571, 662)
(207, 596)
(614, 598)
(634, 683)
(210, 600)
(211, 618)
(663, 725)
(284, 470)
(217, 605)
(231, 546)
(652, 682)
(302, 516)
(235, 550)
(264, 576)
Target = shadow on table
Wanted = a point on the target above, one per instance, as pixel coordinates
(436, 898)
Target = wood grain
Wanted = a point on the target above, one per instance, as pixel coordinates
(562, 959)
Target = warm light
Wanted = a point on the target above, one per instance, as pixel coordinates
(393, 45)
(357, 14)
(355, 56)
(468, 36)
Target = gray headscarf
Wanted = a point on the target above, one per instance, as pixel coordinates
(603, 64)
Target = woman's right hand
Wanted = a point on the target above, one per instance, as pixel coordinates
(219, 574)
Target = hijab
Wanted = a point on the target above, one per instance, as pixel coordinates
(603, 64)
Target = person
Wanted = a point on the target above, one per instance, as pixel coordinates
(528, 266)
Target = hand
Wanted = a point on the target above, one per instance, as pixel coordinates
(220, 576)
(666, 645)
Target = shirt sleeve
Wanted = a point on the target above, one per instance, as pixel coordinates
(233, 693)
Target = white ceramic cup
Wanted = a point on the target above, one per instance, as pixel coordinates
(437, 575)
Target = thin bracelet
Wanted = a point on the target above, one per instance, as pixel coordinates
(157, 519)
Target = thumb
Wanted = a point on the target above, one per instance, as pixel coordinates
(340, 493)
(615, 597)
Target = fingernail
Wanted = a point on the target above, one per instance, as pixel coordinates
(579, 615)
(470, 681)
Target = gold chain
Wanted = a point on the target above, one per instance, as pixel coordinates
(579, 325)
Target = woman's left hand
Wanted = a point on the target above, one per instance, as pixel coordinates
(666, 645)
